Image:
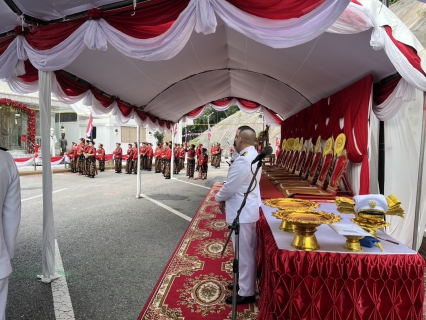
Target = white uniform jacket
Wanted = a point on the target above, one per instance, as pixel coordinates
(10, 209)
(237, 183)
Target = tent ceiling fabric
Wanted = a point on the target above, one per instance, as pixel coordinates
(8, 19)
(311, 69)
(225, 62)
(50, 10)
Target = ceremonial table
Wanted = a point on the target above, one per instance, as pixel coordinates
(332, 283)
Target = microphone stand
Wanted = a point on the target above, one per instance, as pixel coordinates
(235, 227)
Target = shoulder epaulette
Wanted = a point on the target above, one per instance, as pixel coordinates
(244, 154)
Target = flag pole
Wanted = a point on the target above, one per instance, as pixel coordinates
(208, 132)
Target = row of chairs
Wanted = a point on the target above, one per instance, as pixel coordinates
(310, 173)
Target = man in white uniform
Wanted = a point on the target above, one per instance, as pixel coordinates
(10, 206)
(230, 197)
(53, 141)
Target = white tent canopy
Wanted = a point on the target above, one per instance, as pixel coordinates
(212, 50)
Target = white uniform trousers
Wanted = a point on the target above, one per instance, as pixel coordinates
(4, 285)
(247, 258)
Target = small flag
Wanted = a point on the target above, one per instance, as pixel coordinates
(209, 134)
(277, 142)
(228, 144)
(176, 129)
(89, 128)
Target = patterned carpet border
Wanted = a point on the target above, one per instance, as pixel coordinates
(194, 283)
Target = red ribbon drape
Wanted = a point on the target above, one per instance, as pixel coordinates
(31, 73)
(409, 52)
(382, 92)
(221, 102)
(70, 87)
(352, 104)
(147, 22)
(277, 10)
(248, 104)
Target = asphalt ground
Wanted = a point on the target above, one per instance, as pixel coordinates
(114, 246)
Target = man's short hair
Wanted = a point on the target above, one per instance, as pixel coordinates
(244, 128)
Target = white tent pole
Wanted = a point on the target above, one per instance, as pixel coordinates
(172, 160)
(138, 178)
(419, 179)
(48, 249)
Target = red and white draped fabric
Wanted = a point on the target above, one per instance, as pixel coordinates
(271, 118)
(399, 44)
(161, 35)
(23, 162)
(165, 30)
(345, 112)
(53, 160)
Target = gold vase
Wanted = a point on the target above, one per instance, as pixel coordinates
(352, 243)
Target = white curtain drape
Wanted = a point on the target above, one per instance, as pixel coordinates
(374, 154)
(403, 92)
(402, 143)
(48, 248)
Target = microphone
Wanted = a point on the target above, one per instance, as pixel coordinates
(265, 152)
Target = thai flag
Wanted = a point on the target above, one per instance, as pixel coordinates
(228, 144)
(277, 141)
(89, 128)
(209, 134)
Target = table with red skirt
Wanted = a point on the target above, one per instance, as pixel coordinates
(335, 284)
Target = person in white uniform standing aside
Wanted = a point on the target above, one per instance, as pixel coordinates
(10, 206)
(230, 197)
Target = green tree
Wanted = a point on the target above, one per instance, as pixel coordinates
(159, 136)
(211, 116)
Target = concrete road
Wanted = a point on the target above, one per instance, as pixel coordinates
(113, 246)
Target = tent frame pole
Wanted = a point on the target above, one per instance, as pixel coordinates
(172, 159)
(419, 179)
(138, 163)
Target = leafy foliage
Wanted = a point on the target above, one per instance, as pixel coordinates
(159, 136)
(211, 116)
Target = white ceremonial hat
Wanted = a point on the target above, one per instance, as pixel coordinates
(371, 203)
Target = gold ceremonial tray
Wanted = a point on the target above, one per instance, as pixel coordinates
(286, 204)
(312, 218)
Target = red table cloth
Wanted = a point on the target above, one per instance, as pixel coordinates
(322, 285)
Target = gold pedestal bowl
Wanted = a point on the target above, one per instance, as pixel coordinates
(306, 224)
(286, 206)
(285, 226)
(352, 243)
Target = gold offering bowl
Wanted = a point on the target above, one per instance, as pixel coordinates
(306, 223)
(286, 206)
(285, 226)
(370, 225)
(352, 243)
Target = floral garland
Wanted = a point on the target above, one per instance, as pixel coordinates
(31, 122)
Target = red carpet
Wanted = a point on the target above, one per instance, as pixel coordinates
(194, 282)
(268, 190)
